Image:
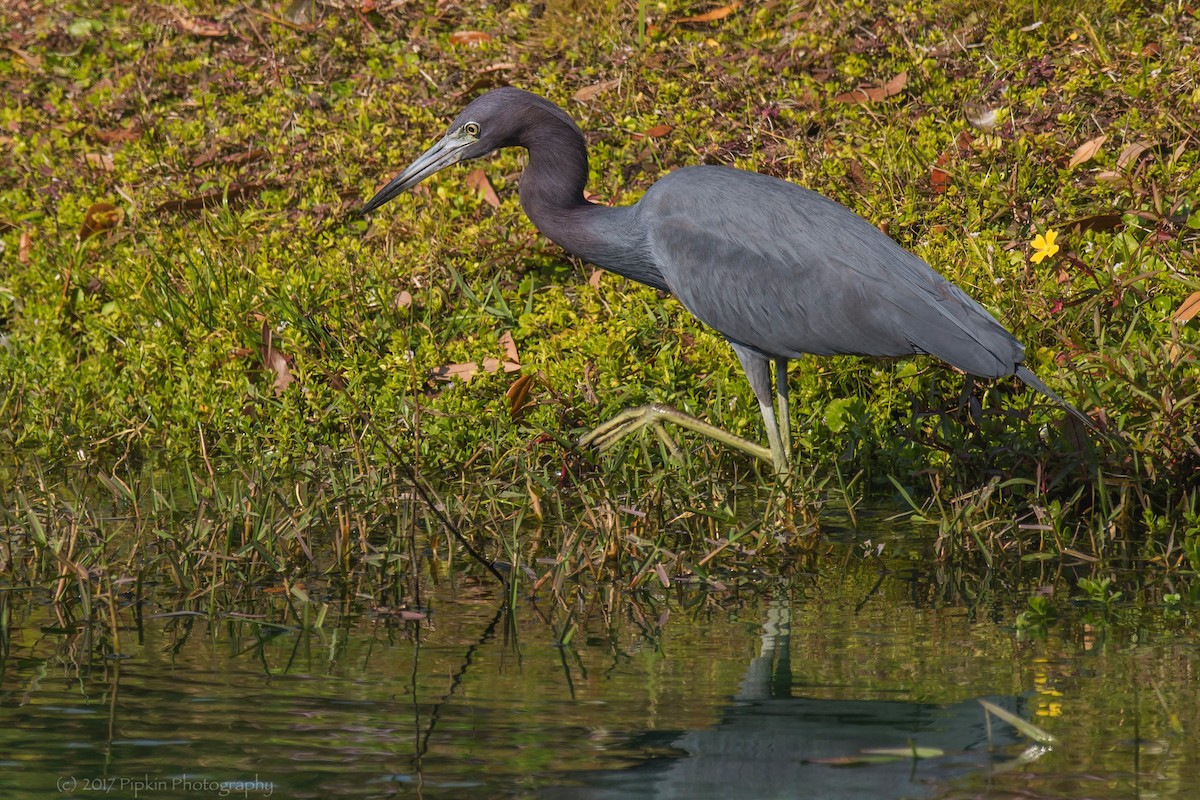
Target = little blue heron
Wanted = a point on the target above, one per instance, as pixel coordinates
(777, 269)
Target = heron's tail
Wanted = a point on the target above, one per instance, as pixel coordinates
(1033, 382)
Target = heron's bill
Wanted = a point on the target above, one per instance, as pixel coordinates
(450, 149)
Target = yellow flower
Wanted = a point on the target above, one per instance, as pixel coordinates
(1045, 709)
(1044, 246)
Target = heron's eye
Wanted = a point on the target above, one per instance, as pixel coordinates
(471, 129)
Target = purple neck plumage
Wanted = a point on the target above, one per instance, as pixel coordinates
(551, 192)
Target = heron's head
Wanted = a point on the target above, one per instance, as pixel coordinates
(491, 121)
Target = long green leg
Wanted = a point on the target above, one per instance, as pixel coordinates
(785, 415)
(758, 372)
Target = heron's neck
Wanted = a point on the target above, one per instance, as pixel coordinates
(551, 193)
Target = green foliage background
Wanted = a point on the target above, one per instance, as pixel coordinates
(143, 343)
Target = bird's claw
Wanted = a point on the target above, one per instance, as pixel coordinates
(654, 415)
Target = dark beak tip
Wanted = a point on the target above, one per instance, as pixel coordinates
(379, 199)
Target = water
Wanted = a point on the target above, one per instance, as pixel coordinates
(783, 689)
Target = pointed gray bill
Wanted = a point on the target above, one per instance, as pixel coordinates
(450, 149)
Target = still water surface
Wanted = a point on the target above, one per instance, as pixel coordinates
(776, 690)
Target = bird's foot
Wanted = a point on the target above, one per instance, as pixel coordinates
(654, 415)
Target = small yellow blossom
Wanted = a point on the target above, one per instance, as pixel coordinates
(1044, 246)
(1049, 709)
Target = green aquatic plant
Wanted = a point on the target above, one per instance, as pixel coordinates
(189, 307)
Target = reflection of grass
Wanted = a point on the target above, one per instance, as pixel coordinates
(137, 352)
(214, 543)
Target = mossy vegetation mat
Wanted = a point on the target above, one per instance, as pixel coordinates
(213, 372)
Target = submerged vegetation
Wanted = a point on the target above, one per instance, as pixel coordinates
(215, 375)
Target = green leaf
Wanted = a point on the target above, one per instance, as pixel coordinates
(1028, 729)
(907, 752)
(836, 414)
(82, 27)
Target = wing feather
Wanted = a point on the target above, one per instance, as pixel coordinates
(786, 271)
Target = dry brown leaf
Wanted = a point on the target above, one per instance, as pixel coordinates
(499, 66)
(275, 361)
(1096, 222)
(875, 93)
(462, 371)
(939, 179)
(589, 92)
(1086, 151)
(236, 193)
(117, 136)
(714, 15)
(510, 347)
(495, 364)
(101, 161)
(24, 247)
(1189, 309)
(238, 159)
(518, 395)
(30, 59)
(207, 156)
(469, 38)
(657, 132)
(896, 85)
(467, 369)
(478, 181)
(535, 498)
(852, 761)
(594, 278)
(201, 27)
(1068, 551)
(1132, 153)
(404, 299)
(245, 157)
(100, 217)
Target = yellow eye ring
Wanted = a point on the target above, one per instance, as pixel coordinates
(471, 129)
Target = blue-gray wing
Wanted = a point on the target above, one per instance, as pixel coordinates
(786, 271)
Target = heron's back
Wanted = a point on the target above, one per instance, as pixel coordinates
(786, 271)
